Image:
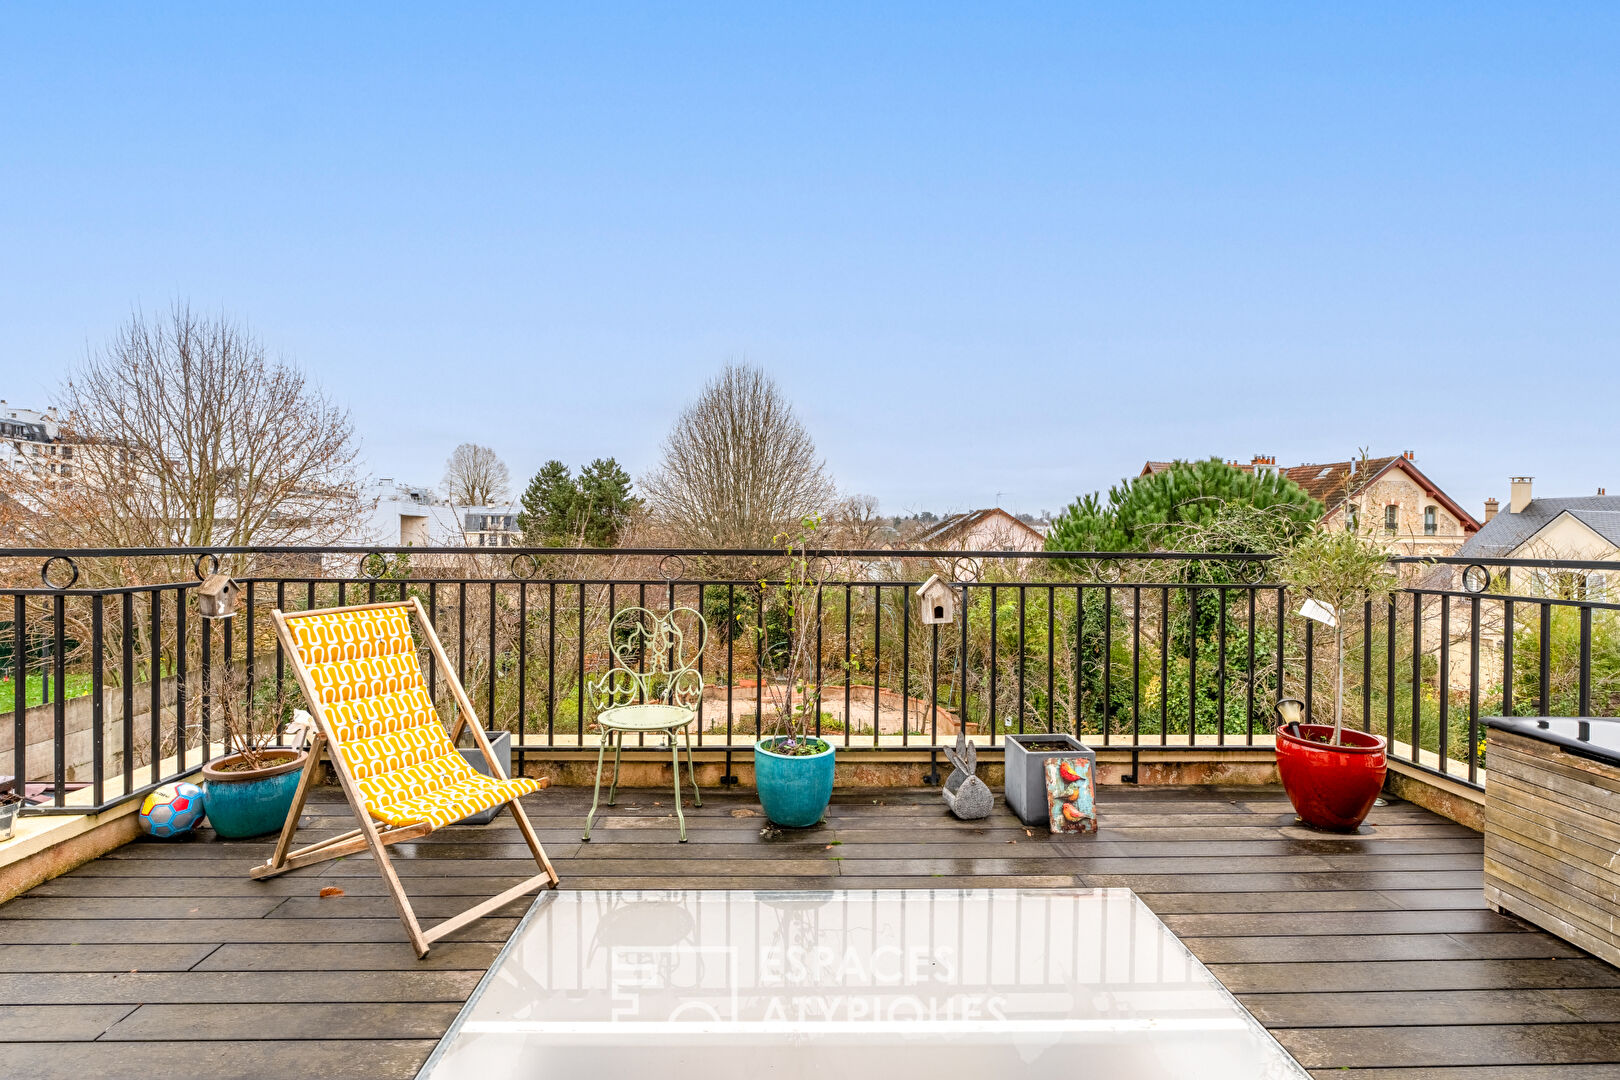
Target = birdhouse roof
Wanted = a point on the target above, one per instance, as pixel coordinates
(214, 584)
(934, 582)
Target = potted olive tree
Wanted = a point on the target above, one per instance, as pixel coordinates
(1332, 775)
(249, 790)
(793, 767)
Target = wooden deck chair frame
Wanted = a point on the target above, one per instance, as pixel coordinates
(375, 836)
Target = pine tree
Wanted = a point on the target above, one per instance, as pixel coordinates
(1155, 511)
(548, 506)
(592, 510)
(603, 503)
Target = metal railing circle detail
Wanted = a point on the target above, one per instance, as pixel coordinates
(45, 572)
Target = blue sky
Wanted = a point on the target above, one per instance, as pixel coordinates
(1011, 248)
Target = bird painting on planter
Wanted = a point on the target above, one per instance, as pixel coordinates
(1071, 795)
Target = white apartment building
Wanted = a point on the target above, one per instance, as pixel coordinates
(402, 515)
(397, 514)
(32, 440)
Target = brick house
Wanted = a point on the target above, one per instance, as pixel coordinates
(1388, 498)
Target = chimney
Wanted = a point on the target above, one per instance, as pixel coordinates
(1491, 506)
(1519, 496)
(1409, 456)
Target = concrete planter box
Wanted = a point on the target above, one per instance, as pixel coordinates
(501, 743)
(1026, 772)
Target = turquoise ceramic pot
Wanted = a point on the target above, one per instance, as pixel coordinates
(793, 790)
(251, 803)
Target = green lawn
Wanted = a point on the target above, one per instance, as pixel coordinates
(75, 685)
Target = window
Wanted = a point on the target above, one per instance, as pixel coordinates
(1392, 515)
(1431, 521)
(1352, 518)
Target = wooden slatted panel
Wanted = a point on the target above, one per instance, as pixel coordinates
(1552, 841)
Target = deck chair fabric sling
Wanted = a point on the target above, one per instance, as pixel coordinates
(399, 770)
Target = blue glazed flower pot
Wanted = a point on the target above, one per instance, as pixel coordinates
(794, 790)
(251, 803)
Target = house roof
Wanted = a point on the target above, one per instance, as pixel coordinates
(1326, 483)
(957, 523)
(1505, 533)
(1330, 482)
(1151, 467)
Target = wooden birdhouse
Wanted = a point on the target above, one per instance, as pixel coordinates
(216, 597)
(936, 601)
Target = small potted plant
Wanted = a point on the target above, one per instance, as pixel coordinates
(249, 790)
(793, 768)
(10, 804)
(1332, 775)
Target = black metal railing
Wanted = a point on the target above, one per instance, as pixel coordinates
(116, 685)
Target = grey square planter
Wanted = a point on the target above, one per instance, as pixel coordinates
(1026, 775)
(501, 743)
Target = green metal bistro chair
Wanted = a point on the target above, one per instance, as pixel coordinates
(651, 688)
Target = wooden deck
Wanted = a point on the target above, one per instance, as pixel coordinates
(1369, 957)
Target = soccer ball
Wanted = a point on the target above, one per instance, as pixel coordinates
(172, 810)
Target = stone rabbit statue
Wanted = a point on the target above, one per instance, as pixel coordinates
(967, 796)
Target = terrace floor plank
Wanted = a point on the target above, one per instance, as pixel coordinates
(1370, 955)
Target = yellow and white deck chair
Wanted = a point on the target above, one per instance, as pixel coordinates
(399, 770)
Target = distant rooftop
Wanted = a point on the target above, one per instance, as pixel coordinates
(1505, 533)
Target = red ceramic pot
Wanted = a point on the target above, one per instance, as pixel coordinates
(1331, 787)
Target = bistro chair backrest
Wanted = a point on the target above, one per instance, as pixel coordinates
(654, 660)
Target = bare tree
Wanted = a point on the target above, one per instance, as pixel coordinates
(854, 522)
(476, 476)
(739, 469)
(182, 430)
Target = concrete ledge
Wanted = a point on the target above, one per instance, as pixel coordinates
(45, 845)
(1446, 797)
(55, 845)
(910, 767)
